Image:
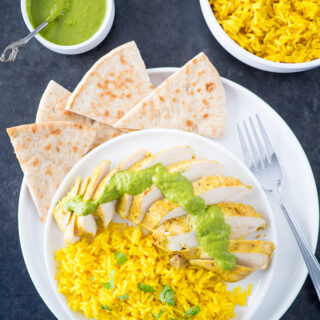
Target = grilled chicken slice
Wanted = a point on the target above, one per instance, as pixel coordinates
(76, 226)
(180, 232)
(212, 189)
(251, 255)
(254, 254)
(85, 225)
(97, 175)
(59, 213)
(72, 225)
(69, 233)
(106, 211)
(178, 235)
(234, 275)
(166, 157)
(192, 169)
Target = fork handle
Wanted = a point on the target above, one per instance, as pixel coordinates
(310, 259)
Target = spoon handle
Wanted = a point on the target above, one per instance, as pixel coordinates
(14, 47)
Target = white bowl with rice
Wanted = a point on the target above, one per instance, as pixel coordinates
(245, 56)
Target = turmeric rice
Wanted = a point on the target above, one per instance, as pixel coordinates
(277, 30)
(94, 282)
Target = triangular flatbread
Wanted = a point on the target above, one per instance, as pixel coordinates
(52, 108)
(192, 99)
(46, 152)
(114, 85)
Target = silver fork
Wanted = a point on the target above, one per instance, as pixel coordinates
(266, 167)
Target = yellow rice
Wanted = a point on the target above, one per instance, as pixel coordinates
(277, 30)
(83, 266)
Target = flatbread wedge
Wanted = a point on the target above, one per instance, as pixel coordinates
(192, 99)
(52, 108)
(114, 85)
(46, 152)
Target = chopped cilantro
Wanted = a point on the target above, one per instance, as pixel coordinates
(145, 287)
(167, 296)
(191, 312)
(105, 307)
(158, 315)
(124, 297)
(110, 284)
(120, 257)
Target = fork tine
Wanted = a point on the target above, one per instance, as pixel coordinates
(263, 155)
(266, 139)
(253, 148)
(245, 151)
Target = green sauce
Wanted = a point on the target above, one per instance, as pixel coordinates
(212, 232)
(71, 21)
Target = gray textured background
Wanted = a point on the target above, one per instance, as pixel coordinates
(168, 33)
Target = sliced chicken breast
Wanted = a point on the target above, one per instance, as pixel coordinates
(74, 226)
(213, 189)
(59, 213)
(192, 169)
(234, 275)
(106, 211)
(180, 232)
(85, 225)
(255, 254)
(69, 233)
(97, 175)
(166, 157)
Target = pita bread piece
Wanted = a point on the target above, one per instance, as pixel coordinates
(192, 99)
(46, 152)
(114, 85)
(52, 108)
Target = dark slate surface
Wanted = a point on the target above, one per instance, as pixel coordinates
(168, 33)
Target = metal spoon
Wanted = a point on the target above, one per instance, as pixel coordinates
(14, 47)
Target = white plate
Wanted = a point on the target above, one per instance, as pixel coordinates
(156, 140)
(289, 269)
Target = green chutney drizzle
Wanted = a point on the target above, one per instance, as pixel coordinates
(71, 21)
(212, 231)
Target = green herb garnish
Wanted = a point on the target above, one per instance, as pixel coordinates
(167, 296)
(110, 284)
(124, 297)
(191, 312)
(105, 307)
(158, 315)
(120, 257)
(92, 279)
(145, 287)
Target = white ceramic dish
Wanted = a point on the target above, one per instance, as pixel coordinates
(245, 56)
(85, 46)
(289, 269)
(156, 140)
